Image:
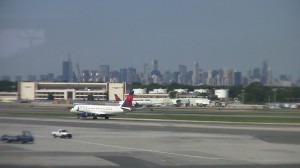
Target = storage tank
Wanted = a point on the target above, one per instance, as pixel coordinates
(140, 91)
(221, 93)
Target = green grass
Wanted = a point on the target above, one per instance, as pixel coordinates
(216, 118)
(38, 114)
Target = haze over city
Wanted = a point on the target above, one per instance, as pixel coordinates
(37, 35)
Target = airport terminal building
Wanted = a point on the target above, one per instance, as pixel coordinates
(70, 91)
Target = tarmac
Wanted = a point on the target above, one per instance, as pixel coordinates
(150, 143)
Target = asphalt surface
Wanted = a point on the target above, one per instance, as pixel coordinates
(150, 143)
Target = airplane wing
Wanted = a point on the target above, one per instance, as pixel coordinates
(127, 108)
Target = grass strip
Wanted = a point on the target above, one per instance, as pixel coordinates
(216, 118)
(229, 118)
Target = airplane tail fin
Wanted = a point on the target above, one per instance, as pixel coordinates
(117, 98)
(128, 102)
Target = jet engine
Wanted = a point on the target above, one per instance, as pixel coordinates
(85, 114)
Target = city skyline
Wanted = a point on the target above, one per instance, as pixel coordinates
(190, 67)
(187, 75)
(36, 35)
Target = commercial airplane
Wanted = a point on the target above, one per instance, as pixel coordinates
(103, 111)
(134, 103)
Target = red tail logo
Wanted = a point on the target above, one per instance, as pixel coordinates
(128, 101)
(117, 98)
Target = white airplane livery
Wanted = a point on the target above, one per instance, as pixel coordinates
(143, 103)
(103, 111)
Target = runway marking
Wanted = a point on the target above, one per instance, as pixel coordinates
(294, 127)
(175, 154)
(148, 150)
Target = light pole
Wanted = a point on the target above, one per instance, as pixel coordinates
(243, 96)
(275, 89)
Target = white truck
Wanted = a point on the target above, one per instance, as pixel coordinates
(202, 102)
(62, 133)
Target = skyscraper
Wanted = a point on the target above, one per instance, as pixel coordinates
(256, 73)
(131, 76)
(264, 75)
(67, 70)
(85, 75)
(154, 65)
(123, 75)
(182, 74)
(195, 77)
(104, 73)
(237, 78)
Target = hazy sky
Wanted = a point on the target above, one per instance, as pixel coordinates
(37, 35)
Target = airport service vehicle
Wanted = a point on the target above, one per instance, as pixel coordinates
(203, 102)
(62, 133)
(25, 137)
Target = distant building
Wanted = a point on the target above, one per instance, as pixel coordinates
(132, 75)
(270, 79)
(222, 93)
(18, 78)
(229, 77)
(158, 91)
(182, 77)
(181, 91)
(32, 78)
(256, 73)
(114, 76)
(167, 77)
(94, 76)
(195, 77)
(140, 91)
(85, 75)
(154, 65)
(123, 75)
(149, 70)
(264, 72)
(43, 78)
(237, 78)
(8, 96)
(104, 73)
(67, 70)
(175, 77)
(50, 77)
(70, 91)
(284, 83)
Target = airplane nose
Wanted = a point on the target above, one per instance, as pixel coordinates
(75, 109)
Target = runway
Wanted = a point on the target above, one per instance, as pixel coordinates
(150, 143)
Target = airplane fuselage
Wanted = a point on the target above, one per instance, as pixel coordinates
(142, 103)
(95, 111)
(98, 109)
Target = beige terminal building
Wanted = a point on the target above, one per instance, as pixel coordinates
(70, 91)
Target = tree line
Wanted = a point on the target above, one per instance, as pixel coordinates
(255, 93)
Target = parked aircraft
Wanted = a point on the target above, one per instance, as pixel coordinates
(103, 111)
(134, 103)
